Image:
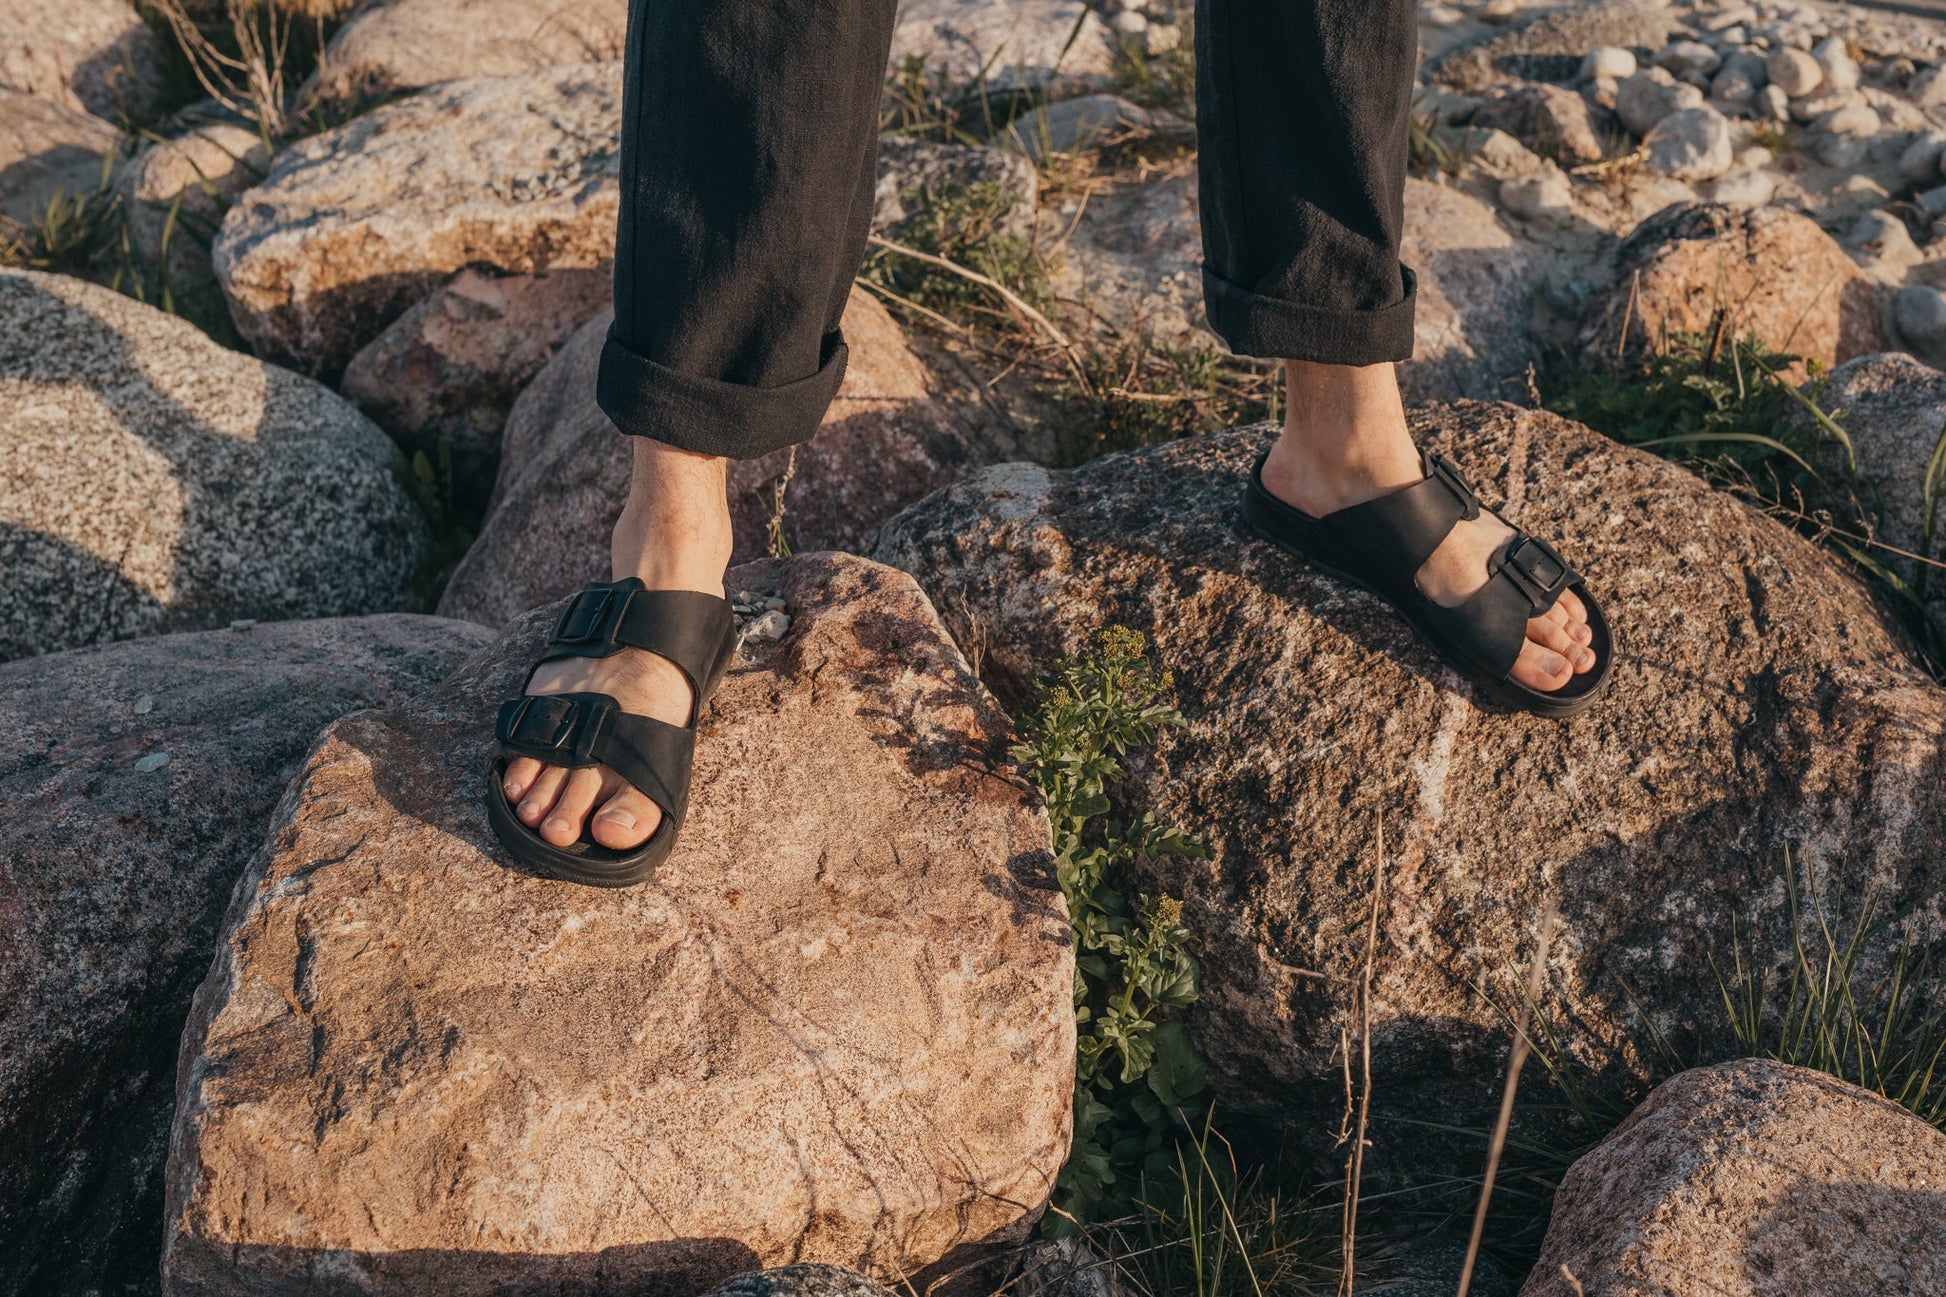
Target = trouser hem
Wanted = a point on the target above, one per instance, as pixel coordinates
(710, 416)
(1255, 325)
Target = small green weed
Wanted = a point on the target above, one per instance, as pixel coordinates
(428, 479)
(1772, 136)
(1813, 1004)
(965, 224)
(75, 234)
(1135, 1067)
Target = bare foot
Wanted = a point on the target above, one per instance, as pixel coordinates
(675, 534)
(1345, 442)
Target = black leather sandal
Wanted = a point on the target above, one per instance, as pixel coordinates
(1380, 546)
(695, 631)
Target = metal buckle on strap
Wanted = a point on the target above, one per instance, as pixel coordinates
(556, 725)
(1447, 472)
(1538, 569)
(591, 617)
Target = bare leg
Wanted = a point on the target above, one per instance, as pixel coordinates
(674, 534)
(1345, 442)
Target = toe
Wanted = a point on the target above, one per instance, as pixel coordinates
(562, 827)
(1540, 667)
(1571, 603)
(541, 796)
(626, 820)
(1559, 639)
(518, 776)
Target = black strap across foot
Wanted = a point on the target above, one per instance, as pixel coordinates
(696, 632)
(1383, 543)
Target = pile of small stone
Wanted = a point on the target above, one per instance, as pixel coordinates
(760, 618)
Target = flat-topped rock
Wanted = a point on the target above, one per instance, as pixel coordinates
(1753, 673)
(1757, 1178)
(835, 1027)
(140, 777)
(394, 46)
(151, 480)
(353, 226)
(564, 471)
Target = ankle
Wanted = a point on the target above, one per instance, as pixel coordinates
(674, 533)
(1344, 439)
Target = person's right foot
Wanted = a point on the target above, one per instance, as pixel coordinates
(675, 535)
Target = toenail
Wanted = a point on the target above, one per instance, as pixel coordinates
(514, 790)
(556, 823)
(1553, 666)
(619, 818)
(1583, 634)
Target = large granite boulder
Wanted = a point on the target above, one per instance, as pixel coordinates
(1894, 410)
(835, 1027)
(1772, 273)
(564, 472)
(447, 371)
(95, 56)
(49, 152)
(1760, 703)
(140, 777)
(353, 226)
(1756, 1178)
(153, 481)
(392, 46)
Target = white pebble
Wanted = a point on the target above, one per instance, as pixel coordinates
(1928, 87)
(243, 623)
(1691, 144)
(1882, 237)
(770, 626)
(1542, 196)
(1688, 56)
(144, 705)
(1162, 38)
(1919, 311)
(1129, 22)
(153, 762)
(1920, 161)
(1840, 73)
(1772, 104)
(1608, 61)
(1745, 188)
(1794, 72)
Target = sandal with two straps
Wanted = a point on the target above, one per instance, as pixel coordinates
(693, 630)
(1380, 546)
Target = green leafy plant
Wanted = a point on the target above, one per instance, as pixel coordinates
(1135, 1067)
(74, 234)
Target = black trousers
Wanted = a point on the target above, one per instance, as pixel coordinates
(749, 145)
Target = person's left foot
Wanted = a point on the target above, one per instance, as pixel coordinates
(1557, 647)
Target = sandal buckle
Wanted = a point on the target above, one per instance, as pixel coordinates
(1448, 474)
(556, 724)
(591, 617)
(1538, 569)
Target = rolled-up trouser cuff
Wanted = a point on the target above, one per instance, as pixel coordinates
(1255, 325)
(709, 416)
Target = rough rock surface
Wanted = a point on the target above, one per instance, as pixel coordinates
(95, 56)
(1689, 261)
(1753, 677)
(1551, 45)
(154, 481)
(140, 777)
(394, 46)
(47, 151)
(564, 472)
(353, 226)
(1756, 1178)
(1895, 413)
(801, 1281)
(1018, 43)
(836, 1027)
(448, 370)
